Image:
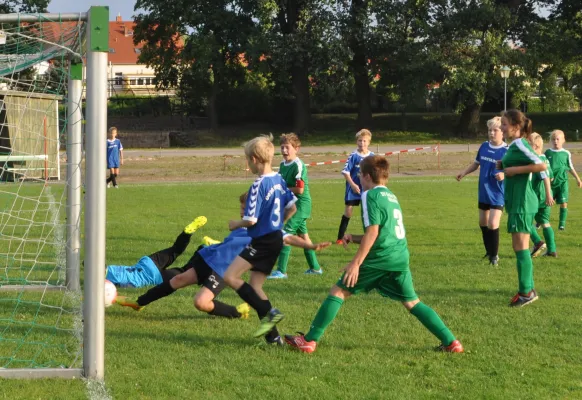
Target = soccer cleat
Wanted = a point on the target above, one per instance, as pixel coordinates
(298, 342)
(267, 323)
(494, 261)
(116, 186)
(198, 222)
(520, 300)
(562, 228)
(108, 185)
(551, 254)
(538, 226)
(208, 241)
(454, 347)
(277, 275)
(538, 248)
(339, 241)
(278, 341)
(244, 310)
(125, 302)
(314, 271)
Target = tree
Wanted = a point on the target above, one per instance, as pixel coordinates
(23, 6)
(199, 45)
(474, 39)
(402, 55)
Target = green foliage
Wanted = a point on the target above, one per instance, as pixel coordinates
(23, 6)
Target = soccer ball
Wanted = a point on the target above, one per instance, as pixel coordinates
(110, 293)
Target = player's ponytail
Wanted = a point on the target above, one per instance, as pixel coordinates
(517, 118)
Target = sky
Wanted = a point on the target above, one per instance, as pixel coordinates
(123, 7)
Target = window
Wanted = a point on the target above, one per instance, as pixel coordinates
(111, 50)
(132, 81)
(118, 79)
(148, 81)
(137, 51)
(140, 81)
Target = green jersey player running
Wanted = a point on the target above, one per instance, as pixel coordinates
(381, 263)
(293, 171)
(521, 202)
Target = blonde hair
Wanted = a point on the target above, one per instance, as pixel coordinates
(557, 132)
(536, 139)
(364, 133)
(261, 148)
(290, 138)
(111, 130)
(494, 123)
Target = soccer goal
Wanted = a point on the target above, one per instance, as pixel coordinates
(53, 102)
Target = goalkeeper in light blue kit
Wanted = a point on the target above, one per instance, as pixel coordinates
(153, 269)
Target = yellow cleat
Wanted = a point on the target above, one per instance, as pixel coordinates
(125, 302)
(198, 222)
(208, 241)
(244, 310)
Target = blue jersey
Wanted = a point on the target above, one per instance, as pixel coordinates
(266, 203)
(490, 189)
(113, 148)
(143, 273)
(219, 256)
(352, 168)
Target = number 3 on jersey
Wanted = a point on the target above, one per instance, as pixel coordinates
(399, 228)
(277, 212)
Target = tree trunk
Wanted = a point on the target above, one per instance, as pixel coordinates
(212, 109)
(358, 14)
(360, 71)
(302, 109)
(469, 121)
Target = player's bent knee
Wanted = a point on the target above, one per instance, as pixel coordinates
(409, 305)
(339, 292)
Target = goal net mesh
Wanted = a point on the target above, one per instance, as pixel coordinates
(40, 321)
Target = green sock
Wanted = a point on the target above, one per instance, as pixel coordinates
(431, 321)
(311, 259)
(550, 239)
(524, 271)
(325, 315)
(283, 259)
(534, 234)
(563, 215)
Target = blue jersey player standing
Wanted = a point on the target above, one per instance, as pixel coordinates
(114, 156)
(351, 174)
(491, 200)
(269, 205)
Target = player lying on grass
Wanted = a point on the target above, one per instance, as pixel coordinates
(381, 263)
(153, 269)
(206, 268)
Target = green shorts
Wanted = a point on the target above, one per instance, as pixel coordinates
(561, 193)
(519, 223)
(296, 225)
(394, 284)
(543, 215)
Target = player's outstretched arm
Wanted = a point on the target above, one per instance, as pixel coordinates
(471, 168)
(296, 241)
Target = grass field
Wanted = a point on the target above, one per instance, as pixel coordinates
(374, 349)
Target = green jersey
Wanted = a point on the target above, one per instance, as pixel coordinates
(537, 181)
(561, 163)
(520, 197)
(390, 250)
(291, 172)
